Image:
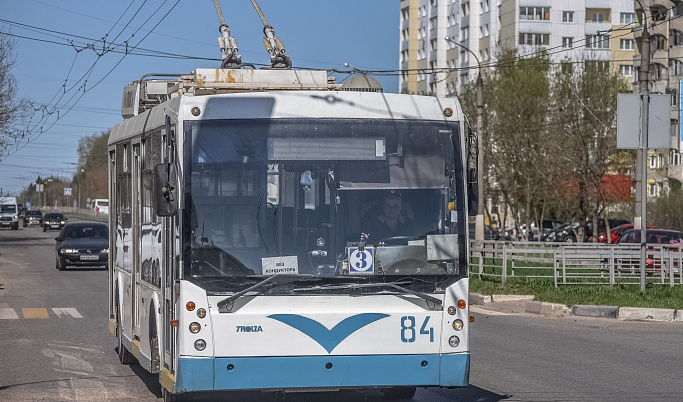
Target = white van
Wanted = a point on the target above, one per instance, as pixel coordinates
(101, 206)
(9, 212)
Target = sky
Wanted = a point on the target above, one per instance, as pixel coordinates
(60, 60)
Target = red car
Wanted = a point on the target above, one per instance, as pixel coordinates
(615, 233)
(671, 240)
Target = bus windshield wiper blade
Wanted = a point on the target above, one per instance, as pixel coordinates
(225, 302)
(379, 285)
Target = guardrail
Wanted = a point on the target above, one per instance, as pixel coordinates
(576, 264)
(79, 214)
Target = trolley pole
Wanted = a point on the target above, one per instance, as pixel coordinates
(641, 169)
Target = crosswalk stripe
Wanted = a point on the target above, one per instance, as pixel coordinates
(8, 314)
(67, 312)
(34, 313)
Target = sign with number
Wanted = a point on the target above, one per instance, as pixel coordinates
(361, 262)
(67, 191)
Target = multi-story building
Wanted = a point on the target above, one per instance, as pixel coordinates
(664, 19)
(443, 42)
(477, 29)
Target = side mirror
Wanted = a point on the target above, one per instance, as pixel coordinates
(58, 238)
(472, 192)
(165, 193)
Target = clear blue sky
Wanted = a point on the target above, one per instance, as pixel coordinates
(316, 34)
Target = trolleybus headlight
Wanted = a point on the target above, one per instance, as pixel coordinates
(195, 327)
(462, 304)
(457, 325)
(451, 310)
(201, 313)
(190, 306)
(69, 251)
(454, 341)
(200, 344)
(105, 251)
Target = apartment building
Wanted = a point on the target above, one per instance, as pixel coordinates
(664, 19)
(598, 30)
(477, 29)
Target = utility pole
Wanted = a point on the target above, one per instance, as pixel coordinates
(641, 162)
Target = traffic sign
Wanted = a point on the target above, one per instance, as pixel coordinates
(67, 191)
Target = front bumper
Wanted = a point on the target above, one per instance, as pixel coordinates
(75, 260)
(310, 372)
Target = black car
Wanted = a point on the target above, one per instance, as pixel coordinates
(53, 220)
(82, 244)
(567, 233)
(33, 217)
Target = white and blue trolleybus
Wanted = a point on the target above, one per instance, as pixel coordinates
(273, 230)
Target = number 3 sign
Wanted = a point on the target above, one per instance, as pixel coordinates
(361, 262)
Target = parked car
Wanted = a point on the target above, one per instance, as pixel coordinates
(568, 233)
(53, 220)
(546, 226)
(672, 239)
(615, 233)
(33, 217)
(101, 206)
(82, 244)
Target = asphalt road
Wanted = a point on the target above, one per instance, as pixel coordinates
(55, 346)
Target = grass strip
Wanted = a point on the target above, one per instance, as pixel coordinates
(655, 295)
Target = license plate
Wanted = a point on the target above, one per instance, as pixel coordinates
(90, 257)
(54, 226)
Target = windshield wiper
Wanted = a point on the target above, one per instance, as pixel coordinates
(231, 299)
(393, 285)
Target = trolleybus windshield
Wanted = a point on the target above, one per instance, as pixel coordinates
(327, 198)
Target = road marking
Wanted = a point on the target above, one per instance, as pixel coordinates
(34, 313)
(487, 312)
(8, 314)
(67, 312)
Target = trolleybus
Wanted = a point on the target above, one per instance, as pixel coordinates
(273, 230)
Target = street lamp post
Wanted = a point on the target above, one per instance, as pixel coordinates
(479, 222)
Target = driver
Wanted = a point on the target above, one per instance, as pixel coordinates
(391, 222)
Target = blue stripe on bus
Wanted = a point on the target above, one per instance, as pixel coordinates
(203, 374)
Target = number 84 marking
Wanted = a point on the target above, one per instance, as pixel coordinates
(408, 329)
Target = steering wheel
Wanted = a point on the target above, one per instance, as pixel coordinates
(396, 240)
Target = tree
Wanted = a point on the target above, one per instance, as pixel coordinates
(12, 109)
(517, 99)
(91, 178)
(584, 115)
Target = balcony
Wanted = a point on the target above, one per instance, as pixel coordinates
(598, 3)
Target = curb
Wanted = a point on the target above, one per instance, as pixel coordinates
(649, 314)
(588, 310)
(478, 298)
(547, 309)
(507, 298)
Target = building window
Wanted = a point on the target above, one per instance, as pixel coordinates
(675, 67)
(485, 6)
(626, 70)
(660, 42)
(626, 44)
(534, 39)
(598, 64)
(465, 9)
(464, 33)
(597, 41)
(405, 14)
(676, 37)
(653, 162)
(534, 13)
(432, 23)
(674, 158)
(627, 18)
(654, 189)
(567, 16)
(597, 17)
(567, 41)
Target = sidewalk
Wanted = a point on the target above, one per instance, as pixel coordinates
(525, 305)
